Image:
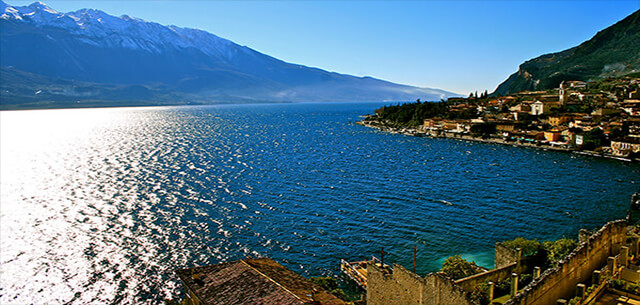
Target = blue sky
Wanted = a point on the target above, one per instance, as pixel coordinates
(459, 46)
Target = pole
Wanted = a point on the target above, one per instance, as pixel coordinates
(415, 250)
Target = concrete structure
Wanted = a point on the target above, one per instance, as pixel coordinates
(626, 146)
(554, 286)
(539, 107)
(560, 282)
(559, 120)
(251, 281)
(402, 286)
(552, 135)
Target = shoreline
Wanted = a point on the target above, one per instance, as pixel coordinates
(457, 136)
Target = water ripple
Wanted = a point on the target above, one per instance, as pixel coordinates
(100, 206)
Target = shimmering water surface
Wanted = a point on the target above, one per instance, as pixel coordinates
(101, 205)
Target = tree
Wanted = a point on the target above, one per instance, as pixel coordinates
(559, 249)
(457, 267)
(330, 284)
(483, 129)
(593, 139)
(325, 282)
(528, 247)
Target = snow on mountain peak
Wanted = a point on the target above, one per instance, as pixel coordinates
(39, 6)
(98, 28)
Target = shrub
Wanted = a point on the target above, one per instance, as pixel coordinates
(559, 249)
(574, 301)
(529, 247)
(325, 282)
(457, 267)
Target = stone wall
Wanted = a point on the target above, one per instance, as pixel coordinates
(404, 287)
(495, 275)
(560, 282)
(504, 256)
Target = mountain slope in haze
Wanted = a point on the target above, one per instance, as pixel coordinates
(93, 47)
(614, 51)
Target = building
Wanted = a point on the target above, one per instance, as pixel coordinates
(432, 124)
(631, 107)
(251, 281)
(552, 135)
(539, 107)
(559, 120)
(522, 107)
(624, 147)
(607, 253)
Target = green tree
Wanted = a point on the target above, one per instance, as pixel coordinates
(529, 247)
(325, 282)
(593, 139)
(559, 249)
(457, 267)
(483, 129)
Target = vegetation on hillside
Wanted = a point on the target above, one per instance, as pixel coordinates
(611, 52)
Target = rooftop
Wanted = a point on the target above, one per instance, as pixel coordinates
(252, 281)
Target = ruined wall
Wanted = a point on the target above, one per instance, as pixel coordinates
(441, 290)
(403, 287)
(399, 287)
(495, 275)
(560, 282)
(504, 256)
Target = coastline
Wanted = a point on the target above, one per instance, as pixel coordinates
(469, 138)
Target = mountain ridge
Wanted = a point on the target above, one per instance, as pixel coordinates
(92, 46)
(613, 51)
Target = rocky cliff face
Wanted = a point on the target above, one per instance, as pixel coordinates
(614, 51)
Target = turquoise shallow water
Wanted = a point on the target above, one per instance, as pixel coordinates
(101, 205)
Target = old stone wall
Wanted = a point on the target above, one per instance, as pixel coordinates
(560, 282)
(441, 290)
(495, 275)
(403, 287)
(504, 256)
(399, 287)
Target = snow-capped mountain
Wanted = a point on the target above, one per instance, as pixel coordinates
(91, 46)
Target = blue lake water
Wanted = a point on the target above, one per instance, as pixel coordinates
(101, 205)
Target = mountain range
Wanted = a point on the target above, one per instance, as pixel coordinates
(89, 58)
(612, 52)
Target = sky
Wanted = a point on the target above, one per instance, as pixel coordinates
(459, 46)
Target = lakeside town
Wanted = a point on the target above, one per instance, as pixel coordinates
(600, 118)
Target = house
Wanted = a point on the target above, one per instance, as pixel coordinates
(559, 120)
(432, 124)
(553, 135)
(624, 147)
(573, 84)
(456, 126)
(522, 107)
(251, 281)
(631, 107)
(506, 100)
(605, 111)
(540, 107)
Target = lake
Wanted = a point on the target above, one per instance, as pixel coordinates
(102, 205)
